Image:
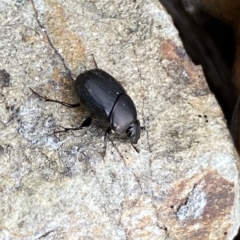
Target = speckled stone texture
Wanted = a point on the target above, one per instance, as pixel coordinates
(184, 183)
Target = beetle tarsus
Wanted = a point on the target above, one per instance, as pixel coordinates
(136, 149)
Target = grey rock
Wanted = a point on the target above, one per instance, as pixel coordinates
(184, 183)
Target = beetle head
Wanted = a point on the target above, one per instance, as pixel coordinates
(123, 119)
(134, 131)
(123, 115)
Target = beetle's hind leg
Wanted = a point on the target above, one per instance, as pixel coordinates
(56, 101)
(86, 123)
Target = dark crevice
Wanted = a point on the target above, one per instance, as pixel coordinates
(237, 237)
(221, 34)
(210, 43)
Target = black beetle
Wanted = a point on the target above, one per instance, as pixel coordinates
(107, 100)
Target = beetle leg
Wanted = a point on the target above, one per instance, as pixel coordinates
(136, 149)
(106, 139)
(56, 101)
(86, 123)
(94, 61)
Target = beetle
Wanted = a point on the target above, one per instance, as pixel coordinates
(107, 100)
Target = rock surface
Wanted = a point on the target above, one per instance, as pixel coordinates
(184, 183)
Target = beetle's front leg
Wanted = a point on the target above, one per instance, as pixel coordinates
(56, 101)
(106, 139)
(86, 123)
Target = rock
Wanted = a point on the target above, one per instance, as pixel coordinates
(184, 183)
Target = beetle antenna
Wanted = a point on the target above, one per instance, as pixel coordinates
(94, 61)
